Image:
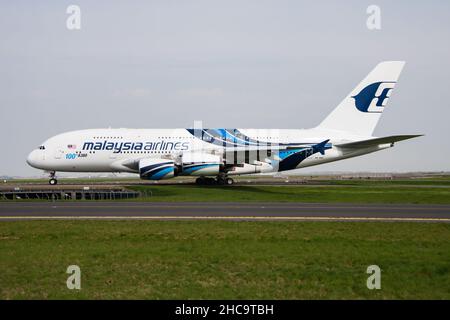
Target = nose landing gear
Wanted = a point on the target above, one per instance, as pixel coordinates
(53, 181)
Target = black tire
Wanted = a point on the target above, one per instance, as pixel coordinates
(200, 181)
(53, 182)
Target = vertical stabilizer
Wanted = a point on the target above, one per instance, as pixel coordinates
(360, 111)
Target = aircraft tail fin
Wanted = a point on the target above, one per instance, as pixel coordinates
(360, 111)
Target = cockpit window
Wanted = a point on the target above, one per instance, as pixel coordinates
(41, 148)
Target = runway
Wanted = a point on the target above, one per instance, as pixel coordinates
(102, 210)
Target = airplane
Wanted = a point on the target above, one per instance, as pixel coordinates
(215, 155)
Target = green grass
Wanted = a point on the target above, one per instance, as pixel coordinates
(223, 260)
(314, 180)
(408, 182)
(345, 193)
(428, 190)
(413, 191)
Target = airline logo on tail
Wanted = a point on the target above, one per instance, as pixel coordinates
(374, 97)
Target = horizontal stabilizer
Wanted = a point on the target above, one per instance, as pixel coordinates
(376, 141)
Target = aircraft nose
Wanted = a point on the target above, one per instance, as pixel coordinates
(32, 158)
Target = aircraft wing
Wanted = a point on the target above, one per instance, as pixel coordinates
(238, 155)
(376, 141)
(262, 151)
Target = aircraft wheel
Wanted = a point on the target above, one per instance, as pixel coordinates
(53, 181)
(200, 181)
(229, 181)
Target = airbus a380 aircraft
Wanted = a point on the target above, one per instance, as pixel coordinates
(206, 153)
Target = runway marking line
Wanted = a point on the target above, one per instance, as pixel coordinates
(222, 218)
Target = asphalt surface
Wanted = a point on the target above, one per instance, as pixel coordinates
(222, 211)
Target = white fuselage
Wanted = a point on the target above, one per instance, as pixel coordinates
(109, 150)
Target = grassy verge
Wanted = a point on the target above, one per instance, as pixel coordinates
(345, 193)
(314, 180)
(409, 182)
(224, 260)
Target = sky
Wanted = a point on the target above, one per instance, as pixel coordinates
(233, 64)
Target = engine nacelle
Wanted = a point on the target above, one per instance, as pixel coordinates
(200, 164)
(156, 169)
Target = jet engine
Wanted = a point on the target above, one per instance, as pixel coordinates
(200, 164)
(156, 169)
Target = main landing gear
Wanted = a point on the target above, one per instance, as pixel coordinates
(52, 180)
(220, 180)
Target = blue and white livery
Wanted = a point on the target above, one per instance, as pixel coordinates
(214, 155)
